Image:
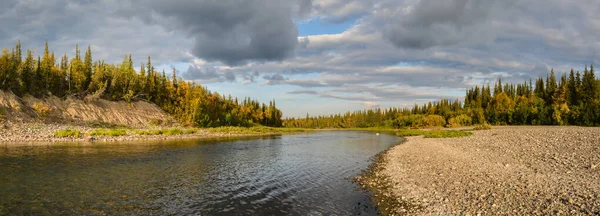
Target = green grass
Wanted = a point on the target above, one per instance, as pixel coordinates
(147, 132)
(108, 132)
(376, 129)
(166, 132)
(434, 133)
(101, 124)
(447, 134)
(67, 133)
(256, 130)
(406, 133)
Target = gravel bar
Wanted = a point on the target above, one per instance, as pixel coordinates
(510, 170)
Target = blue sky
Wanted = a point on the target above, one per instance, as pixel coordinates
(322, 56)
(319, 26)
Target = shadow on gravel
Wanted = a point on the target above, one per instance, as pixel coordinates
(380, 187)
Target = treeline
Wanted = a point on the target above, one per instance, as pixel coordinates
(190, 103)
(572, 99)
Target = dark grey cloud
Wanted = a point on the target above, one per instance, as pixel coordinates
(65, 23)
(370, 93)
(231, 31)
(339, 11)
(304, 91)
(250, 77)
(208, 73)
(41, 20)
(424, 45)
(432, 23)
(274, 77)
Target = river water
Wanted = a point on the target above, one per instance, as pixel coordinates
(301, 174)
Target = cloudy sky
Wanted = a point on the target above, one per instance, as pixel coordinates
(322, 56)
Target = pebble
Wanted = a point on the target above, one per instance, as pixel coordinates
(545, 175)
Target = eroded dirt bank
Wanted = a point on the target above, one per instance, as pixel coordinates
(506, 170)
(31, 120)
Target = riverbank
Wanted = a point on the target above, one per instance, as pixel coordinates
(47, 133)
(506, 170)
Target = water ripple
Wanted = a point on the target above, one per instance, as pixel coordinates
(305, 174)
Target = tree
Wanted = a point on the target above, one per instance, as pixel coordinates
(551, 88)
(87, 67)
(573, 96)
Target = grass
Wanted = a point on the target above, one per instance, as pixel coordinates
(101, 124)
(426, 134)
(166, 132)
(67, 133)
(434, 133)
(256, 130)
(447, 134)
(407, 133)
(413, 132)
(108, 132)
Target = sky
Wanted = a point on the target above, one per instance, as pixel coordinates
(321, 56)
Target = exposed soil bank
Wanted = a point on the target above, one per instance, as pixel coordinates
(22, 120)
(506, 170)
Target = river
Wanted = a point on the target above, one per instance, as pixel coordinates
(300, 174)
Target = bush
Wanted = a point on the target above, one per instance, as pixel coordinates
(256, 130)
(147, 132)
(101, 124)
(3, 113)
(155, 122)
(41, 109)
(434, 133)
(459, 121)
(108, 132)
(67, 133)
(167, 132)
(431, 121)
(409, 120)
(484, 126)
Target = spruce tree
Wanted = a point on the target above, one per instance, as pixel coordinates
(87, 67)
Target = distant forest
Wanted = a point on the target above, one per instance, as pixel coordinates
(573, 99)
(190, 103)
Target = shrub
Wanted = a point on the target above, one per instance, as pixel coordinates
(409, 120)
(67, 133)
(461, 120)
(147, 132)
(108, 132)
(484, 126)
(41, 109)
(3, 113)
(101, 124)
(431, 121)
(155, 122)
(434, 133)
(167, 132)
(172, 131)
(256, 130)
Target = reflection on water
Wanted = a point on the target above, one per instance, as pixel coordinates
(296, 174)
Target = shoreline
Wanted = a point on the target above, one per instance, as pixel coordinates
(506, 170)
(378, 184)
(43, 134)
